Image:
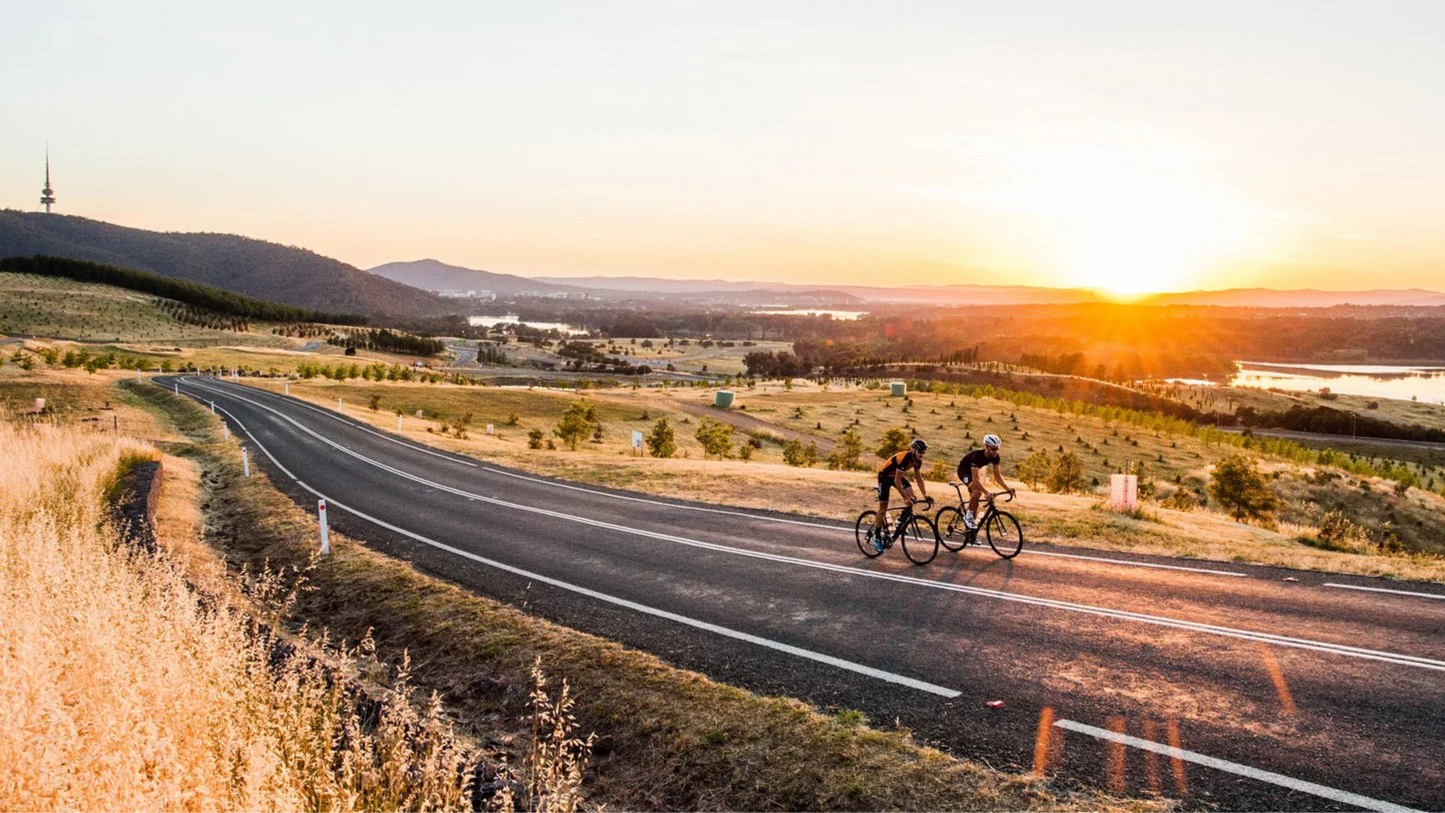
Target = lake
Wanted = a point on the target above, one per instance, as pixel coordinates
(511, 319)
(1376, 381)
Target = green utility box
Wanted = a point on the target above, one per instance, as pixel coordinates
(723, 399)
(898, 389)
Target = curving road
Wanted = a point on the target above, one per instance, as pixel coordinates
(1220, 684)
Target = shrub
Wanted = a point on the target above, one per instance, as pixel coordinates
(534, 439)
(894, 440)
(716, 438)
(1035, 468)
(793, 453)
(845, 454)
(1240, 489)
(577, 423)
(1067, 474)
(660, 441)
(375, 402)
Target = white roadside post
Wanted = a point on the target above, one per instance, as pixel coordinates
(245, 462)
(178, 389)
(325, 536)
(287, 384)
(213, 407)
(489, 430)
(398, 423)
(338, 404)
(225, 431)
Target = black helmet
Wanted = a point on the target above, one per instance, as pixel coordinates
(920, 445)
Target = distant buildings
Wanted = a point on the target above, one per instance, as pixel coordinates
(483, 295)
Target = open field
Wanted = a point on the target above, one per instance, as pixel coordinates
(55, 307)
(766, 483)
(1229, 398)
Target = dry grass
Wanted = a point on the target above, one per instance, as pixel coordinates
(122, 689)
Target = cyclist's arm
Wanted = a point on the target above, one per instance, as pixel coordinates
(922, 486)
(998, 478)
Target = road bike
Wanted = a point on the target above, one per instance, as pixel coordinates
(1000, 528)
(920, 538)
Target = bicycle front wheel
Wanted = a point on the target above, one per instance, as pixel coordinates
(864, 533)
(920, 540)
(951, 530)
(1005, 535)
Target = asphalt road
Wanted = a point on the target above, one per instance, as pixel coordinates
(1221, 684)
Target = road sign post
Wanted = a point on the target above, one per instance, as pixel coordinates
(325, 536)
(637, 442)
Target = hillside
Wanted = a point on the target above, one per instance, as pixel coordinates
(435, 275)
(256, 268)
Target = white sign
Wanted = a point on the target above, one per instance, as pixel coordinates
(1124, 492)
(636, 439)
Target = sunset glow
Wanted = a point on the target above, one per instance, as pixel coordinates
(1124, 146)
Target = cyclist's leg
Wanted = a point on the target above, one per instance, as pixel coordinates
(884, 484)
(975, 493)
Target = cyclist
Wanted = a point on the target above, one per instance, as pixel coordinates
(970, 473)
(891, 476)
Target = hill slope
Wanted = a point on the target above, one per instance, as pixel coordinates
(256, 268)
(435, 275)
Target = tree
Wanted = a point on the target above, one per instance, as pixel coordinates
(794, 454)
(534, 439)
(1242, 491)
(810, 453)
(577, 423)
(1067, 475)
(716, 438)
(660, 440)
(894, 440)
(375, 402)
(845, 455)
(1035, 469)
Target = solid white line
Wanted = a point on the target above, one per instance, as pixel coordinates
(1212, 629)
(808, 654)
(1136, 564)
(708, 510)
(1384, 590)
(1324, 792)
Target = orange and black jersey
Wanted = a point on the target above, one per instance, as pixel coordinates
(901, 461)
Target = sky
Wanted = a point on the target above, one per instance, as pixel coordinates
(1125, 146)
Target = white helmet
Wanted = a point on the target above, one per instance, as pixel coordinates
(992, 440)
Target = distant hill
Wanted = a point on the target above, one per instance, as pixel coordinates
(294, 276)
(435, 275)
(1269, 298)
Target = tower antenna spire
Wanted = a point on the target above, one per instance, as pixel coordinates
(47, 195)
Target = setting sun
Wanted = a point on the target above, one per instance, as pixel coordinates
(1128, 233)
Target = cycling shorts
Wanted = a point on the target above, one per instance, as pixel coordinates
(885, 482)
(965, 476)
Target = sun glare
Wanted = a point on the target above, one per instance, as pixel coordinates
(1127, 233)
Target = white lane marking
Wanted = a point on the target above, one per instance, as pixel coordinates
(808, 654)
(1324, 792)
(1195, 626)
(708, 510)
(1137, 564)
(355, 425)
(1384, 590)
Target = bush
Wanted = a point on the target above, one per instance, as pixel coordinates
(845, 455)
(1067, 474)
(716, 438)
(1241, 490)
(793, 453)
(534, 439)
(1338, 533)
(577, 423)
(894, 440)
(660, 441)
(1035, 468)
(1181, 500)
(375, 402)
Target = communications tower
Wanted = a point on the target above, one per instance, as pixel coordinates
(47, 195)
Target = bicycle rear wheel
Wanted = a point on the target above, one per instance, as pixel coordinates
(1005, 535)
(920, 540)
(951, 530)
(863, 531)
